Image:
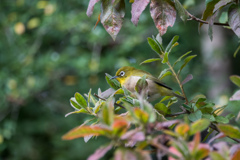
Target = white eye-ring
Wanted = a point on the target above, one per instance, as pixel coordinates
(122, 73)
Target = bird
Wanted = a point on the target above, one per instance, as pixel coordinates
(128, 77)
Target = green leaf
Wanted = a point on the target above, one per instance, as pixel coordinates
(235, 53)
(80, 100)
(208, 116)
(186, 60)
(229, 130)
(79, 111)
(209, 10)
(180, 58)
(167, 73)
(108, 112)
(113, 83)
(166, 98)
(181, 11)
(161, 108)
(195, 116)
(74, 103)
(187, 107)
(158, 40)
(199, 126)
(221, 119)
(171, 43)
(165, 58)
(154, 46)
(216, 156)
(235, 79)
(230, 116)
(150, 60)
(141, 115)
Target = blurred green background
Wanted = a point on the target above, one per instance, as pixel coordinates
(49, 50)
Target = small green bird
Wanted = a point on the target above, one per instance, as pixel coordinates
(128, 77)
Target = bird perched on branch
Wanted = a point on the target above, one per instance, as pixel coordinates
(129, 76)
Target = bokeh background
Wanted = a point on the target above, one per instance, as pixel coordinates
(49, 50)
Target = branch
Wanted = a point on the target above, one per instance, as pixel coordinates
(175, 114)
(119, 105)
(205, 22)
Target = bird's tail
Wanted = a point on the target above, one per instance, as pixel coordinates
(178, 96)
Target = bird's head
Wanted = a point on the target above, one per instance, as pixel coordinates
(123, 73)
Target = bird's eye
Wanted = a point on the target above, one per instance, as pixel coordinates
(122, 73)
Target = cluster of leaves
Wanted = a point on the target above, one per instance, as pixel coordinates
(138, 129)
(163, 13)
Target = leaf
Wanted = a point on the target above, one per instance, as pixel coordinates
(229, 130)
(209, 10)
(138, 7)
(186, 60)
(90, 8)
(221, 119)
(195, 116)
(163, 14)
(113, 82)
(108, 112)
(182, 129)
(80, 100)
(133, 136)
(235, 53)
(161, 108)
(236, 155)
(141, 115)
(150, 60)
(199, 126)
(181, 11)
(187, 79)
(154, 46)
(130, 154)
(235, 79)
(100, 152)
(171, 43)
(141, 86)
(235, 152)
(209, 117)
(119, 126)
(85, 131)
(187, 107)
(180, 58)
(74, 103)
(78, 111)
(221, 4)
(234, 19)
(107, 93)
(165, 58)
(216, 156)
(112, 14)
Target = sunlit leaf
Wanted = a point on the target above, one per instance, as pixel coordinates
(234, 19)
(171, 43)
(235, 79)
(163, 14)
(80, 100)
(181, 10)
(150, 60)
(119, 126)
(138, 7)
(141, 115)
(90, 8)
(165, 58)
(74, 103)
(112, 14)
(161, 108)
(79, 111)
(85, 131)
(182, 129)
(199, 126)
(229, 130)
(100, 152)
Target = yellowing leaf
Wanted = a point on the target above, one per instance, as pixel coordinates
(199, 126)
(141, 115)
(19, 28)
(182, 129)
(228, 130)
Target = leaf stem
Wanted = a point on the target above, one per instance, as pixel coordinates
(192, 17)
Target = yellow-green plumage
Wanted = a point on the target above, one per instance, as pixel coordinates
(128, 77)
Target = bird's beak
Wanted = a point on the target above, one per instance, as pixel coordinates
(114, 77)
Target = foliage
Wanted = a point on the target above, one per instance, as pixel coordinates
(138, 129)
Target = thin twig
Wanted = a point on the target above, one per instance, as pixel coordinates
(205, 22)
(119, 105)
(175, 114)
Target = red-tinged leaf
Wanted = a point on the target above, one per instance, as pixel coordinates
(113, 12)
(100, 152)
(228, 130)
(202, 151)
(187, 79)
(165, 125)
(235, 151)
(163, 14)
(132, 137)
(234, 19)
(130, 154)
(91, 7)
(182, 129)
(196, 141)
(119, 126)
(221, 4)
(85, 131)
(141, 115)
(236, 155)
(175, 152)
(138, 7)
(99, 19)
(209, 10)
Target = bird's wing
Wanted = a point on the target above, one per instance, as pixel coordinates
(158, 82)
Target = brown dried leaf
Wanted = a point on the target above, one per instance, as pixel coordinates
(163, 14)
